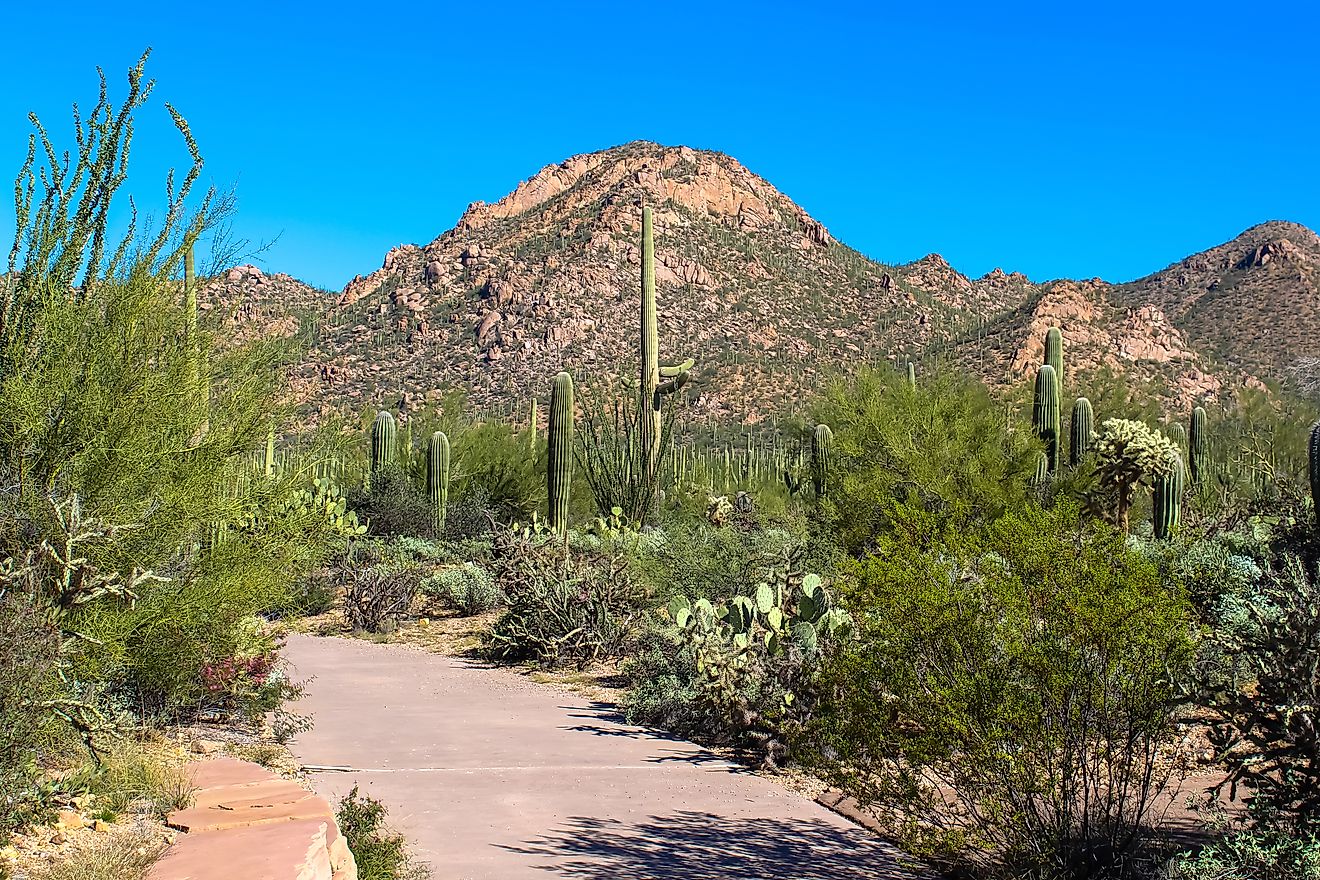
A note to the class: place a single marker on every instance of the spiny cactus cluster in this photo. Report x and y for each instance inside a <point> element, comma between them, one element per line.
<point>324,499</point>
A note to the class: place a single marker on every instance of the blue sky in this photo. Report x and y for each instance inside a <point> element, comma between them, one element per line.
<point>1056,139</point>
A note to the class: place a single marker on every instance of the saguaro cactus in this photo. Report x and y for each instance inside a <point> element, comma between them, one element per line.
<point>1198,447</point>
<point>1045,413</point>
<point>437,479</point>
<point>912,375</point>
<point>1054,354</point>
<point>559,457</point>
<point>1313,454</point>
<point>651,389</point>
<point>1080,430</point>
<point>383,441</point>
<point>821,441</point>
<point>270,454</point>
<point>1167,498</point>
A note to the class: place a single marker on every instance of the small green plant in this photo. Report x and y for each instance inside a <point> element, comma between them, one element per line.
<point>380,852</point>
<point>467,588</point>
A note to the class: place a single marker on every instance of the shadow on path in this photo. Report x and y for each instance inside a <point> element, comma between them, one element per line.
<point>701,846</point>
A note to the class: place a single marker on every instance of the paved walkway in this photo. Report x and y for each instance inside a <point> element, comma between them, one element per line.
<point>492,776</point>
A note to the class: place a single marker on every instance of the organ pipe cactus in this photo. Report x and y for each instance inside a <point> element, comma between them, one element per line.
<point>383,441</point>
<point>559,456</point>
<point>821,440</point>
<point>1167,498</point>
<point>1198,447</point>
<point>437,479</point>
<point>1054,354</point>
<point>651,389</point>
<point>1081,429</point>
<point>1045,413</point>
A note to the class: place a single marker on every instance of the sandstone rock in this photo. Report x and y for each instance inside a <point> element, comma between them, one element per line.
<point>207,746</point>
<point>67,820</point>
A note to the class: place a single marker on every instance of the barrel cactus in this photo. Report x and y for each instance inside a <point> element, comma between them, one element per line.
<point>1045,413</point>
<point>559,456</point>
<point>437,479</point>
<point>821,440</point>
<point>1198,447</point>
<point>383,441</point>
<point>1167,498</point>
<point>1081,431</point>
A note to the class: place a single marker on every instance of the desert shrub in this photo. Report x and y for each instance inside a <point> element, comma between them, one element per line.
<point>394,504</point>
<point>928,463</point>
<point>562,608</point>
<point>378,597</point>
<point>1249,848</point>
<point>130,774</point>
<point>1009,694</point>
<point>380,853</point>
<point>467,588</point>
<point>470,516</point>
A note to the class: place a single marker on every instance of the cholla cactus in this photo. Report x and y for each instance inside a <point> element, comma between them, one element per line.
<point>1128,453</point>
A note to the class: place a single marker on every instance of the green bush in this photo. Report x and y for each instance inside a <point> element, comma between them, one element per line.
<point>393,504</point>
<point>380,853</point>
<point>928,463</point>
<point>1009,694</point>
<point>467,588</point>
<point>1250,849</point>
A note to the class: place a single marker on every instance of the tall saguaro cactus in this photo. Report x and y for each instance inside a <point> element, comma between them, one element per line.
<point>912,376</point>
<point>1313,456</point>
<point>384,435</point>
<point>1045,413</point>
<point>1167,498</point>
<point>559,454</point>
<point>437,479</point>
<point>651,389</point>
<point>821,441</point>
<point>1198,447</point>
<point>1080,429</point>
<point>1054,354</point>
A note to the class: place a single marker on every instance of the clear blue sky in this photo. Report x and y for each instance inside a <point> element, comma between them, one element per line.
<point>1057,139</point>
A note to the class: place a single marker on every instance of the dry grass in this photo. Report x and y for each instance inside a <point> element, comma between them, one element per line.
<point>123,856</point>
<point>146,773</point>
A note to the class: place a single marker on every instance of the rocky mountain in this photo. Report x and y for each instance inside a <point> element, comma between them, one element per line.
<point>749,285</point>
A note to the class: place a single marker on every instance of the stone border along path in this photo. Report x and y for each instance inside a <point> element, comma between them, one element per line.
<point>246,823</point>
<point>491,776</point>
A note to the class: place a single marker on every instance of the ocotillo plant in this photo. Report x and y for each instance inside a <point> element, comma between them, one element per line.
<point>437,479</point>
<point>1054,354</point>
<point>1045,413</point>
<point>383,442</point>
<point>559,457</point>
<point>1080,429</point>
<point>1313,456</point>
<point>650,389</point>
<point>1198,447</point>
<point>821,440</point>
<point>1167,499</point>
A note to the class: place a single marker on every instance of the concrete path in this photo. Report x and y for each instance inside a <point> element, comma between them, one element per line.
<point>492,776</point>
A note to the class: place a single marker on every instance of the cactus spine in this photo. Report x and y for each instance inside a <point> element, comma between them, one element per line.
<point>1045,413</point>
<point>559,457</point>
<point>383,441</point>
<point>1198,447</point>
<point>1167,507</point>
<point>1081,427</point>
<point>437,479</point>
<point>821,441</point>
<point>1054,354</point>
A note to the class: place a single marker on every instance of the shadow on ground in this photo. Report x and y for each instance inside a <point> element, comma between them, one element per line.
<point>701,846</point>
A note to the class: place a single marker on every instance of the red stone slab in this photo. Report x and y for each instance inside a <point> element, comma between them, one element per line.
<point>226,771</point>
<point>286,851</point>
